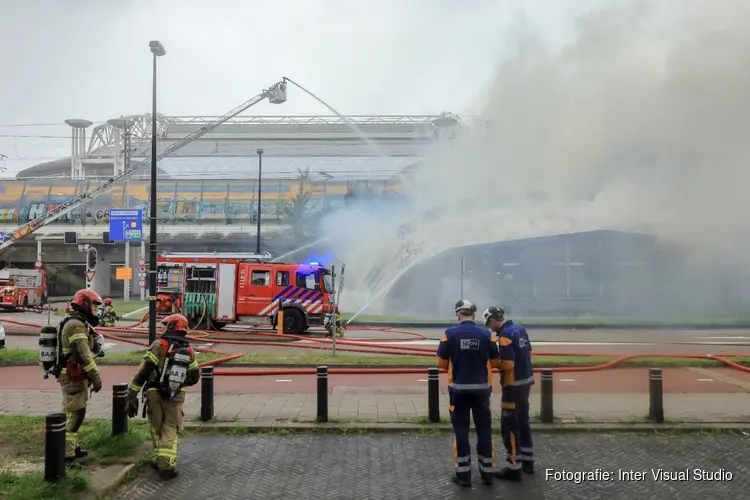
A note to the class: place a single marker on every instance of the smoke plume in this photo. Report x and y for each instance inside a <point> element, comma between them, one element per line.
<point>641,123</point>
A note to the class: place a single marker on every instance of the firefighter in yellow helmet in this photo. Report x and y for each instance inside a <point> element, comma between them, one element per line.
<point>76,369</point>
<point>167,368</point>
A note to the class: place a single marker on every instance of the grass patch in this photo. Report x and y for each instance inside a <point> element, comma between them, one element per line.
<point>21,465</point>
<point>33,486</point>
<point>8,356</point>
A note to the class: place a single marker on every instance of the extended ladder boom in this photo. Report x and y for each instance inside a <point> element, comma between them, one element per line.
<point>276,94</point>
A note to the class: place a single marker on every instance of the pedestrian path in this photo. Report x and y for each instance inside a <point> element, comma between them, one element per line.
<point>380,466</point>
<point>358,404</point>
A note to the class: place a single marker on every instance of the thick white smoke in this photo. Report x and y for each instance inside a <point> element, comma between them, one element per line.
<point>640,123</point>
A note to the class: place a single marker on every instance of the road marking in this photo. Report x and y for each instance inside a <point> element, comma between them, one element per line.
<point>720,338</point>
<point>131,313</point>
<point>422,380</point>
<point>566,380</point>
<point>434,343</point>
<point>284,380</point>
<point>107,345</point>
<point>705,380</point>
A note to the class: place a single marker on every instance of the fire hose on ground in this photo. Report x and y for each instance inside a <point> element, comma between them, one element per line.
<point>371,346</point>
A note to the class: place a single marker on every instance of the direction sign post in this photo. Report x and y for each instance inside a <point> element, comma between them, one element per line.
<point>125,224</point>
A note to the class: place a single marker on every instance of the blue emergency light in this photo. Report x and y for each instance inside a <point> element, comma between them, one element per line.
<point>314,263</point>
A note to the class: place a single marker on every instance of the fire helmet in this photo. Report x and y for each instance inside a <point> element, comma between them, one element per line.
<point>176,323</point>
<point>107,301</point>
<point>83,299</point>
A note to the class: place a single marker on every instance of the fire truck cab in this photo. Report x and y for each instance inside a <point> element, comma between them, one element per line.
<point>22,288</point>
<point>217,289</point>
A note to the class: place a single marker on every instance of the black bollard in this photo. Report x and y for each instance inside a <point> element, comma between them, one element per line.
<point>207,393</point>
<point>54,447</point>
<point>656,395</point>
<point>119,409</point>
<point>433,394</point>
<point>322,394</point>
<point>547,411</point>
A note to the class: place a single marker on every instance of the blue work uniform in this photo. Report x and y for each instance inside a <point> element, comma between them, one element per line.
<point>523,379</point>
<point>468,353</point>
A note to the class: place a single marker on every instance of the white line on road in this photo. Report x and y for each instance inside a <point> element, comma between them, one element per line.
<point>566,380</point>
<point>135,312</point>
<point>705,380</point>
<point>284,380</point>
<point>422,380</point>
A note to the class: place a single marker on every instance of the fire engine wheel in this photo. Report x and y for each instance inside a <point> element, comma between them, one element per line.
<point>294,321</point>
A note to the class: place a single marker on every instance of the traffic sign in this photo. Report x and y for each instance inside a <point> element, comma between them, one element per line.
<point>141,262</point>
<point>141,269</point>
<point>90,276</point>
<point>38,264</point>
<point>125,224</point>
<point>141,283</point>
<point>2,236</point>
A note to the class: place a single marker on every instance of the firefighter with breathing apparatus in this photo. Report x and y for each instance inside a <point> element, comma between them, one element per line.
<point>67,352</point>
<point>108,316</point>
<point>167,368</point>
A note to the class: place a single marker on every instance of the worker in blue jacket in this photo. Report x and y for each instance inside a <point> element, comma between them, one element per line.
<point>468,353</point>
<point>515,423</point>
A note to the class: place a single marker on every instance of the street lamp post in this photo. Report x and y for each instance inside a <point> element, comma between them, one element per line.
<point>157,49</point>
<point>260,173</point>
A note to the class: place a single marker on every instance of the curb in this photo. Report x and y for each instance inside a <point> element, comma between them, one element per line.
<point>392,428</point>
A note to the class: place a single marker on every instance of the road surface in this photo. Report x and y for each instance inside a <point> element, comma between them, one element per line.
<point>722,341</point>
<point>409,467</point>
<point>616,380</point>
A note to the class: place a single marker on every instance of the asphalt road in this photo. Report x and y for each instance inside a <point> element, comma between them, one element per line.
<point>620,380</point>
<point>330,467</point>
<point>679,341</point>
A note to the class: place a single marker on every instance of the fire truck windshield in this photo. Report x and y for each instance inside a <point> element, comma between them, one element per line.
<point>327,283</point>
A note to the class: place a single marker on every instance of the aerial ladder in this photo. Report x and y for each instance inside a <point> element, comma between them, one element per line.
<point>276,94</point>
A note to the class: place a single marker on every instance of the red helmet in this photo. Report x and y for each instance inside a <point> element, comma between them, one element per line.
<point>84,298</point>
<point>175,323</point>
<point>107,301</point>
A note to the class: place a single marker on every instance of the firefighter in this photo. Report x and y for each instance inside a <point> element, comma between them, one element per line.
<point>468,353</point>
<point>109,315</point>
<point>168,366</point>
<point>516,380</point>
<point>78,371</point>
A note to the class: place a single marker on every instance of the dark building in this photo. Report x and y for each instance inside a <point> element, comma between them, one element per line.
<point>597,273</point>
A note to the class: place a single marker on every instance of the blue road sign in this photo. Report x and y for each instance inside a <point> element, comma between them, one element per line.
<point>125,224</point>
<point>2,236</point>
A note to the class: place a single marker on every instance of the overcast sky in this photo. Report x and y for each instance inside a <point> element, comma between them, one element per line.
<point>90,59</point>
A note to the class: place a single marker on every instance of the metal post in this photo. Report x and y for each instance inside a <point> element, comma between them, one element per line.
<point>332,312</point>
<point>143,256</point>
<point>126,288</point>
<point>54,447</point>
<point>119,409</point>
<point>547,411</point>
<point>433,394</point>
<point>463,270</point>
<point>260,180</point>
<point>322,394</point>
<point>207,393</point>
<point>656,395</point>
<point>152,221</point>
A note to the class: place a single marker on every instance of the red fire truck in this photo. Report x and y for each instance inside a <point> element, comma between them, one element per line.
<point>213,290</point>
<point>23,288</point>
